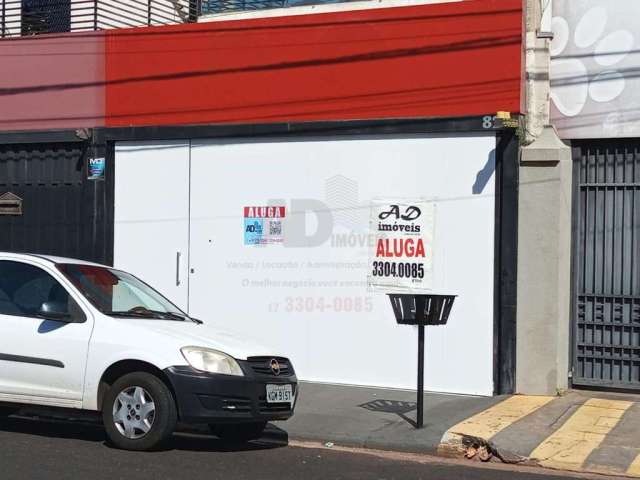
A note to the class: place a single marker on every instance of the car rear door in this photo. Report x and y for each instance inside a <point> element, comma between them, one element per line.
<point>42,361</point>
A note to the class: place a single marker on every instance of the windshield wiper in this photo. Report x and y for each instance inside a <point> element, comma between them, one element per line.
<point>150,314</point>
<point>184,317</point>
<point>146,313</point>
<point>142,312</point>
<point>178,316</point>
<point>173,315</point>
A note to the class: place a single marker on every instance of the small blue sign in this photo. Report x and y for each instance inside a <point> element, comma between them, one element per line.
<point>253,231</point>
<point>96,168</point>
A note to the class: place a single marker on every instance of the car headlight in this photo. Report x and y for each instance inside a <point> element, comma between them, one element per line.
<point>212,361</point>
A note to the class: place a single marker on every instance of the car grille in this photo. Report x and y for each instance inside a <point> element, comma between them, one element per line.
<point>262,366</point>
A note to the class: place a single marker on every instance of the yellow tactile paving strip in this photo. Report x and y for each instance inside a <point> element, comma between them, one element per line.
<point>569,446</point>
<point>634,469</point>
<point>491,421</point>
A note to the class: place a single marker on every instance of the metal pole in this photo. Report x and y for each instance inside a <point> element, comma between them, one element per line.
<point>95,15</point>
<point>2,20</point>
<point>419,418</point>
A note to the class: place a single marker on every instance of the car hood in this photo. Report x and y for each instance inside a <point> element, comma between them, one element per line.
<point>206,335</point>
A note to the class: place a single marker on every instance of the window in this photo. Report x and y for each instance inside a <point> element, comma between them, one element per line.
<point>220,6</point>
<point>118,293</point>
<point>25,288</point>
<point>45,16</point>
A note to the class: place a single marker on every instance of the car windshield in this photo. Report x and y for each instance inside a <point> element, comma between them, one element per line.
<point>118,293</point>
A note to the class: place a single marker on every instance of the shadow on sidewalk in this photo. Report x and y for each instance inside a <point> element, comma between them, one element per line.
<point>400,408</point>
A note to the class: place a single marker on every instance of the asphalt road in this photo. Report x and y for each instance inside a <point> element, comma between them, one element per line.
<point>49,450</point>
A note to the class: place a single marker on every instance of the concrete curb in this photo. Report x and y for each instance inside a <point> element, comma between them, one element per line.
<point>369,444</point>
<point>458,445</point>
<point>453,445</point>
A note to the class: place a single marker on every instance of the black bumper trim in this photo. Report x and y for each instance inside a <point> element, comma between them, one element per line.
<point>213,398</point>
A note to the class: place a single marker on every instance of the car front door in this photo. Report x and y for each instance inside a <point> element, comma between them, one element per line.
<point>42,359</point>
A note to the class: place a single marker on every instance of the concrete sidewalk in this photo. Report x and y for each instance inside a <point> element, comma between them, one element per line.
<point>378,418</point>
<point>580,431</point>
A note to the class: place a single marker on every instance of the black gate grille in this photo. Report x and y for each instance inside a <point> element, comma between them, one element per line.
<point>606,265</point>
<point>63,213</point>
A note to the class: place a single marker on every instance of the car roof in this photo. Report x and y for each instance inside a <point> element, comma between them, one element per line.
<point>48,258</point>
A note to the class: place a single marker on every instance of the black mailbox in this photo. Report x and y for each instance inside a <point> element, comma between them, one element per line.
<point>421,310</point>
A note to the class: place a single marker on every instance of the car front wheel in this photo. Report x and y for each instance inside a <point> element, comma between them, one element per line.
<point>139,412</point>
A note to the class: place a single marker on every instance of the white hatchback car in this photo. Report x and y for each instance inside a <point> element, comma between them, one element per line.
<point>77,335</point>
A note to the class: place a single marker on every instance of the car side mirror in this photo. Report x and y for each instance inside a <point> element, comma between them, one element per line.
<point>55,311</point>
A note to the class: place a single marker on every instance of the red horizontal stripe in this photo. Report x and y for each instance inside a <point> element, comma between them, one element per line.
<point>452,59</point>
<point>437,60</point>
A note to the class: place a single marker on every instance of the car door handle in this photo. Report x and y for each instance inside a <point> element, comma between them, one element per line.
<point>178,269</point>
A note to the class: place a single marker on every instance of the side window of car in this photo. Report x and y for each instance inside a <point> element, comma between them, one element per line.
<point>25,288</point>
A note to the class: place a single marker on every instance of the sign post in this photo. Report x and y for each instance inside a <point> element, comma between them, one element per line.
<point>421,310</point>
<point>401,262</point>
<point>420,399</point>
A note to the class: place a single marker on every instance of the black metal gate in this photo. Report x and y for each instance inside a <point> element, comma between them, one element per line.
<point>606,266</point>
<point>62,213</point>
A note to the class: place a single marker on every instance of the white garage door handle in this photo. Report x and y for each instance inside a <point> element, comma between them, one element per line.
<point>177,269</point>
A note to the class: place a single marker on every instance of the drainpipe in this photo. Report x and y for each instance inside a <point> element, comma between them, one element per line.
<point>537,38</point>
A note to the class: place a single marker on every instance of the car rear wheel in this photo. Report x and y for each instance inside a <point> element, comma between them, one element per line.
<point>139,412</point>
<point>240,432</point>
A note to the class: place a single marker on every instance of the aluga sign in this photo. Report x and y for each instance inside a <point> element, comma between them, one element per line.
<point>402,258</point>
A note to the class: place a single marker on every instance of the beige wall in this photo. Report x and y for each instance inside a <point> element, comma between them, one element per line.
<point>544,228</point>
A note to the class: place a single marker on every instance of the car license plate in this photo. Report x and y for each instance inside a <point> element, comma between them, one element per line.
<point>279,394</point>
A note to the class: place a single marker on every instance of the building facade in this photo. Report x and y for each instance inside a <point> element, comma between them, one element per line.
<point>578,310</point>
<point>167,150</point>
<point>156,159</point>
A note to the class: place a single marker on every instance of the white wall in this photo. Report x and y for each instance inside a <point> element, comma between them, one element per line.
<point>595,59</point>
<point>151,215</point>
<point>307,298</point>
<point>250,289</point>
